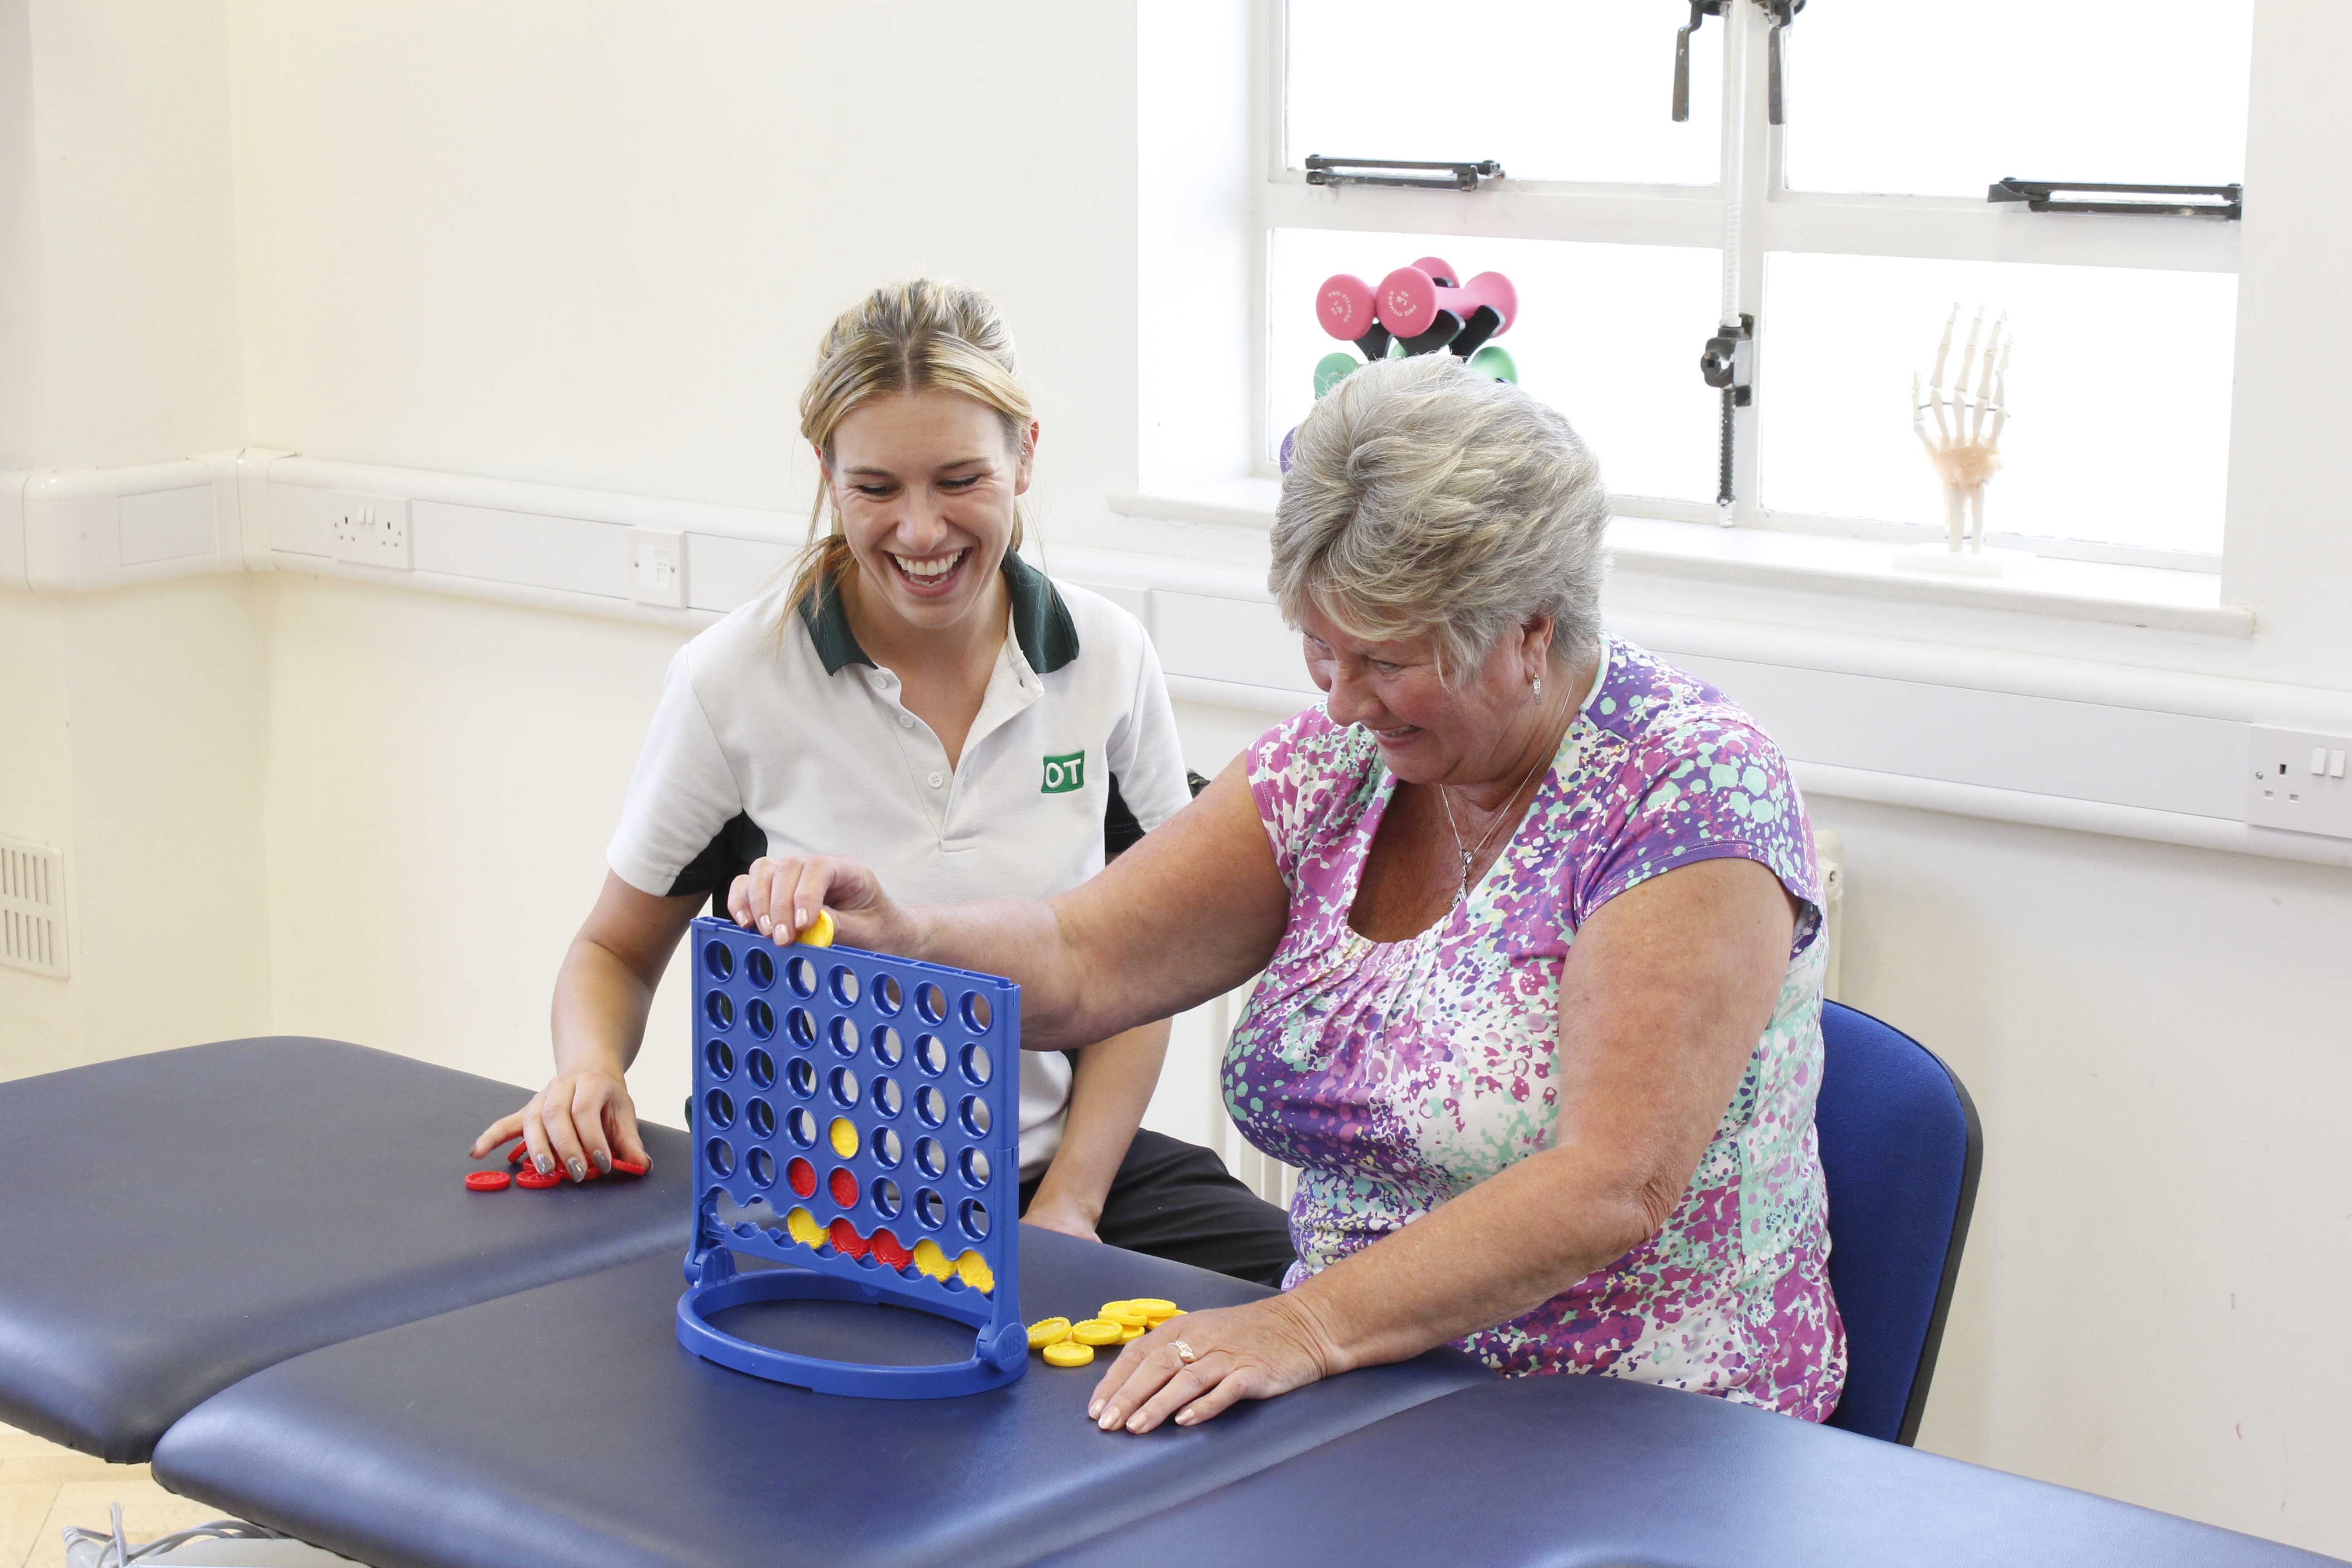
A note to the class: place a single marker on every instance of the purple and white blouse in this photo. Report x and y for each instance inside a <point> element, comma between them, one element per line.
<point>1397,1075</point>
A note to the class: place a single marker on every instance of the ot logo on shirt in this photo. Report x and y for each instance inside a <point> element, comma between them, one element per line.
<point>1064,774</point>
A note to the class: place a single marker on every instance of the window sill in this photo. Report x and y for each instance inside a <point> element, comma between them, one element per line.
<point>2144,596</point>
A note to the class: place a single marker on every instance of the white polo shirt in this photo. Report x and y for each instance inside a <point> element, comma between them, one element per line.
<point>800,745</point>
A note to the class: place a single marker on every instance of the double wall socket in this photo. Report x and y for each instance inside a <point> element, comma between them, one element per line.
<point>2300,780</point>
<point>371,531</point>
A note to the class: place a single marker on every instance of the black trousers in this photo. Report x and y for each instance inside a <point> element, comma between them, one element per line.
<point>1176,1200</point>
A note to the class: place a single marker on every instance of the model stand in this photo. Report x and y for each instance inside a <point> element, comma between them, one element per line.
<point>1963,446</point>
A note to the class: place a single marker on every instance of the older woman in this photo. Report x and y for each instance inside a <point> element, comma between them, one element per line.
<point>1536,914</point>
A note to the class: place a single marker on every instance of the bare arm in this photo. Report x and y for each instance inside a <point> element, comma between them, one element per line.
<point>603,991</point>
<point>1186,915</point>
<point>1663,995</point>
<point>1108,1094</point>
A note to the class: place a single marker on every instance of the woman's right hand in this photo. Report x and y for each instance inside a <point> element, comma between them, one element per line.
<point>582,1120</point>
<point>781,896</point>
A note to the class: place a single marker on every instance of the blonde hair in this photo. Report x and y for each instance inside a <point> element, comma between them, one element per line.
<point>1424,497</point>
<point>919,336</point>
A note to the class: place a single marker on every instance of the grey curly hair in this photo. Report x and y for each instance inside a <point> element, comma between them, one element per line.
<point>1424,498</point>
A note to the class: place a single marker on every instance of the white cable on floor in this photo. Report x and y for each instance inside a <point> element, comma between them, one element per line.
<point>86,1548</point>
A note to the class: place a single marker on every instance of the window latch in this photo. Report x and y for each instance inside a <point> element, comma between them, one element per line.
<point>1700,11</point>
<point>1322,171</point>
<point>2042,197</point>
<point>1783,13</point>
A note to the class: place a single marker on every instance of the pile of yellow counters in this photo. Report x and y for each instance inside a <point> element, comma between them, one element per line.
<point>1065,1343</point>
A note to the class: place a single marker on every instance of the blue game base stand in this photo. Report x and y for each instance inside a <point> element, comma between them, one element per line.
<point>857,1117</point>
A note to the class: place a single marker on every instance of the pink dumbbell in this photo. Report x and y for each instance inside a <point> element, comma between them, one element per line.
<point>1344,306</point>
<point>1426,314</point>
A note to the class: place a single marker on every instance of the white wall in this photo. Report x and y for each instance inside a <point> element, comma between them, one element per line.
<point>115,236</point>
<point>133,721</point>
<point>2161,1231</point>
<point>443,776</point>
<point>594,245</point>
<point>20,238</point>
<point>2289,552</point>
<point>36,804</point>
<point>136,739</point>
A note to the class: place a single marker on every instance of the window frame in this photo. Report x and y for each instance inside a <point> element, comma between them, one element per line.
<point>1772,219</point>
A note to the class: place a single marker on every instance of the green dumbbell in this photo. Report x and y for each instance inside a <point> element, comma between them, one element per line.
<point>1331,369</point>
<point>1494,362</point>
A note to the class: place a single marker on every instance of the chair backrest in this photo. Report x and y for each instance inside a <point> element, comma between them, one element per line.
<point>1900,1152</point>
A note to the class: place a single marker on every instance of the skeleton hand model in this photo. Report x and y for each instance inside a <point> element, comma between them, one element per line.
<point>1965,444</point>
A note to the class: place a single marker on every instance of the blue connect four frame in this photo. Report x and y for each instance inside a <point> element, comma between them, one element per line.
<point>857,1115</point>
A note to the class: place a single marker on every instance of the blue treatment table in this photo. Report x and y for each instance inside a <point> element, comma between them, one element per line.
<point>177,1222</point>
<point>264,1247</point>
<point>1565,1471</point>
<point>567,1426</point>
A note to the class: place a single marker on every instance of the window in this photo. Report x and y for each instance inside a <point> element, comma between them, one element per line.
<point>1846,234</point>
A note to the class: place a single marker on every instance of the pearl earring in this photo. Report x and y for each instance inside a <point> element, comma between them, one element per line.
<point>1539,692</point>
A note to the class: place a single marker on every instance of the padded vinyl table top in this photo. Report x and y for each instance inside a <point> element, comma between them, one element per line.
<point>566,1426</point>
<point>178,1221</point>
<point>1569,1471</point>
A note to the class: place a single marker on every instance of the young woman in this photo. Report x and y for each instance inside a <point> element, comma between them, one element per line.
<point>919,695</point>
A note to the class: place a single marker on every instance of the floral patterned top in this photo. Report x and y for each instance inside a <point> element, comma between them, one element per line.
<point>1397,1075</point>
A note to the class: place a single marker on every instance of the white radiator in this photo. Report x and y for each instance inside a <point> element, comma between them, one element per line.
<point>1275,1182</point>
<point>1829,851</point>
<point>1264,1174</point>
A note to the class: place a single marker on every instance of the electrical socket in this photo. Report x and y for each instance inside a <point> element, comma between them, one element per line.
<point>371,531</point>
<point>657,567</point>
<point>2297,780</point>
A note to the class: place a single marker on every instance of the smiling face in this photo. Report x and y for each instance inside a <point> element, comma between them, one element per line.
<point>1430,732</point>
<point>925,483</point>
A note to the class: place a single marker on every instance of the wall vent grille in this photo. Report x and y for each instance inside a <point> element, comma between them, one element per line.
<point>32,908</point>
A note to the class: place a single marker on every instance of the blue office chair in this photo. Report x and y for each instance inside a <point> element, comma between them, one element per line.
<point>1900,1152</point>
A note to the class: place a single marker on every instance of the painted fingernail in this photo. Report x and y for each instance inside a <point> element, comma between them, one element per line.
<point>1110,1418</point>
<point>1183,1418</point>
<point>546,1166</point>
<point>763,925</point>
<point>605,1162</point>
<point>579,1169</point>
<point>1094,1410</point>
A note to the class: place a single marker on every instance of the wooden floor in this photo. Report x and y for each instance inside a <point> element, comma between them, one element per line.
<point>44,1487</point>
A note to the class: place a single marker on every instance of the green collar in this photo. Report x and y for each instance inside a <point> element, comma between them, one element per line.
<point>1040,621</point>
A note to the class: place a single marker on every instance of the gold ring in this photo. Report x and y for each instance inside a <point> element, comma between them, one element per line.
<point>1184,1353</point>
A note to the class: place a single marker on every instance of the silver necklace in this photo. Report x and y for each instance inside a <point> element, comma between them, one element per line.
<point>1470,856</point>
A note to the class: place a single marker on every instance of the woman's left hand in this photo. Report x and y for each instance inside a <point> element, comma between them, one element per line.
<point>1051,1213</point>
<point>1255,1351</point>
